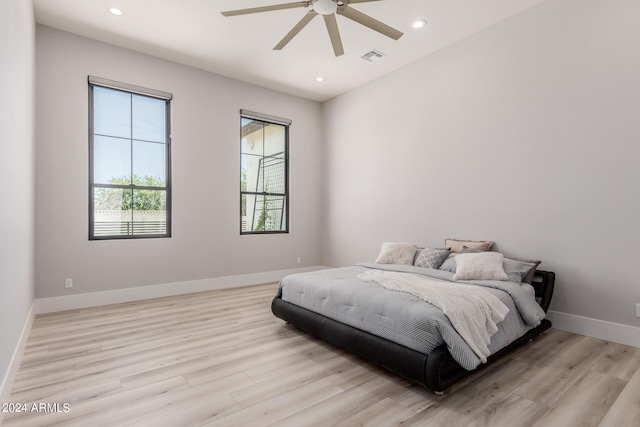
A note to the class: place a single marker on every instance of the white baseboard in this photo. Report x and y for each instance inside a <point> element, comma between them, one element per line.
<point>16,360</point>
<point>93,299</point>
<point>601,329</point>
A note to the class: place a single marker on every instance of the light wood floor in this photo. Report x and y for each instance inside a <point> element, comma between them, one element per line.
<point>222,359</point>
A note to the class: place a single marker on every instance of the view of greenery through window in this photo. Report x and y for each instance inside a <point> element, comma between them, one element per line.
<point>130,196</point>
<point>145,200</point>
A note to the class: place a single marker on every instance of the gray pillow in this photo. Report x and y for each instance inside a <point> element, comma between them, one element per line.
<point>517,270</point>
<point>431,257</point>
<point>527,277</point>
<point>449,264</point>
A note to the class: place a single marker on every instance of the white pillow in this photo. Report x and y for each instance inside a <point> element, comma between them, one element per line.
<point>397,253</point>
<point>480,266</point>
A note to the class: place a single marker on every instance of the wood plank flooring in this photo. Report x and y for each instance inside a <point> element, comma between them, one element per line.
<point>221,358</point>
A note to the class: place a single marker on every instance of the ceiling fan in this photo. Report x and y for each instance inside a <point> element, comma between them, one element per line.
<point>328,9</point>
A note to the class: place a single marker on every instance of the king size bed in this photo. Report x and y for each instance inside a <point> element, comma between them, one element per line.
<point>433,326</point>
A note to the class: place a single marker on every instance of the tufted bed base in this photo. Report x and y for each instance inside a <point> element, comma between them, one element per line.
<point>437,370</point>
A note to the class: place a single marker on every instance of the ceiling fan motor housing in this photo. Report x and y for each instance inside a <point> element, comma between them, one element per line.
<point>325,7</point>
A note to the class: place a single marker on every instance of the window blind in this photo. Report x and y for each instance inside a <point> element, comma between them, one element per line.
<point>112,84</point>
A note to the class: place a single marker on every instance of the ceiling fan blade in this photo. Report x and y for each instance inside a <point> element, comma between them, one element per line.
<point>334,34</point>
<point>266,8</point>
<point>361,1</point>
<point>368,21</point>
<point>295,30</point>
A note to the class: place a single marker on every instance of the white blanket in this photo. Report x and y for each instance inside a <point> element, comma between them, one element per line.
<point>473,311</point>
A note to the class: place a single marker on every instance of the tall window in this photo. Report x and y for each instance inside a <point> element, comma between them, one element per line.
<point>264,178</point>
<point>129,161</point>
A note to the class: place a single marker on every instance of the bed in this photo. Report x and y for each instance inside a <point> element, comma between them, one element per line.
<point>353,309</point>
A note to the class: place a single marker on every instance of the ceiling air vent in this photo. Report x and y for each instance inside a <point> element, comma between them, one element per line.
<point>374,55</point>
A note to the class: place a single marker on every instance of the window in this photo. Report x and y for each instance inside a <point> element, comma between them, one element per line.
<point>264,178</point>
<point>129,161</point>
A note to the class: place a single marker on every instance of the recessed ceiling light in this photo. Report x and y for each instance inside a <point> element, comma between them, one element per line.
<point>319,79</point>
<point>115,11</point>
<point>419,23</point>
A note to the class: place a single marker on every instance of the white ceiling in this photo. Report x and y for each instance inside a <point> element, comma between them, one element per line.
<point>193,32</point>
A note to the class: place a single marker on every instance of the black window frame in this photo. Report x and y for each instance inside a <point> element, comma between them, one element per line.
<point>138,91</point>
<point>286,123</point>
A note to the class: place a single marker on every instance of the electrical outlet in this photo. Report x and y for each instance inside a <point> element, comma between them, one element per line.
<point>637,310</point>
<point>68,283</point>
<point>299,260</point>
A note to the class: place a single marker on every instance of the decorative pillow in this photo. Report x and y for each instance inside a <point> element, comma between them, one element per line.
<point>480,266</point>
<point>518,270</point>
<point>525,268</point>
<point>457,245</point>
<point>468,250</point>
<point>418,250</point>
<point>528,278</point>
<point>397,253</point>
<point>449,264</point>
<point>431,258</point>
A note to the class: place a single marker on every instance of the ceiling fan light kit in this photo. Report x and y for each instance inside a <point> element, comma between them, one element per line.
<point>328,9</point>
<point>325,7</point>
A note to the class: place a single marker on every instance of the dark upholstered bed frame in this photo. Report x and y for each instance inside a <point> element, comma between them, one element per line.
<point>437,370</point>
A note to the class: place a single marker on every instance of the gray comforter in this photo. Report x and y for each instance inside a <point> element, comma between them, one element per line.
<point>403,318</point>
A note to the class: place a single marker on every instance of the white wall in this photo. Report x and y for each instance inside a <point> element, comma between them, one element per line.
<point>17,174</point>
<point>526,134</point>
<point>206,240</point>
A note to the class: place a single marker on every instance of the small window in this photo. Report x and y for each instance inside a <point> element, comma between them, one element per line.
<point>264,178</point>
<point>129,161</point>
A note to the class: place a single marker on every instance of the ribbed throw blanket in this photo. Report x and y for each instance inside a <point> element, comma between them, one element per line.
<point>473,311</point>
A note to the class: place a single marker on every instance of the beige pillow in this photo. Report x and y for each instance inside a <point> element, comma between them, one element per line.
<point>397,253</point>
<point>480,266</point>
<point>457,245</point>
